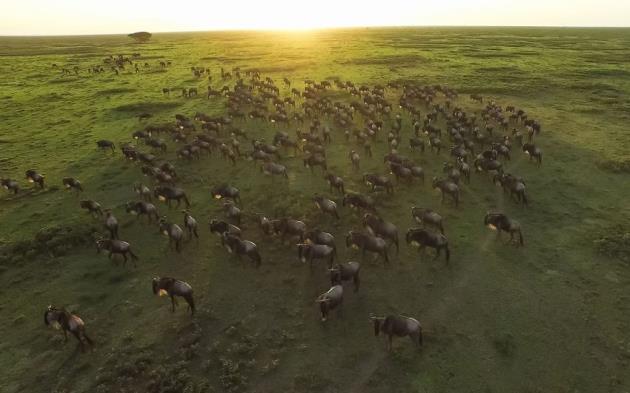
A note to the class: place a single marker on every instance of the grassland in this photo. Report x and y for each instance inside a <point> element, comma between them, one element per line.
<point>553,316</point>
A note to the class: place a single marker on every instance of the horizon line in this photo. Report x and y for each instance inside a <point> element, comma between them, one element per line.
<point>310,29</point>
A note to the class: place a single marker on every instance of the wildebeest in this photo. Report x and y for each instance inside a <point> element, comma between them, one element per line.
<point>93,207</point>
<point>398,325</point>
<point>142,208</point>
<point>427,217</point>
<point>168,286</point>
<point>68,322</point>
<point>500,222</point>
<point>355,159</point>
<point>291,227</point>
<point>174,232</point>
<point>314,160</point>
<point>447,187</point>
<point>330,300</point>
<point>514,185</point>
<point>226,191</point>
<point>335,182</point>
<point>143,191</point>
<point>221,227</point>
<point>190,224</point>
<point>232,211</point>
<point>424,238</point>
<point>10,185</point>
<point>358,201</point>
<point>34,177</point>
<point>374,181</point>
<point>115,246</point>
<point>381,228</point>
<point>345,272</point>
<point>104,144</point>
<point>239,247</point>
<point>168,193</point>
<point>308,252</point>
<point>271,168</point>
<point>365,242</point>
<point>415,143</point>
<point>533,152</point>
<point>326,205</point>
<point>111,224</point>
<point>71,182</point>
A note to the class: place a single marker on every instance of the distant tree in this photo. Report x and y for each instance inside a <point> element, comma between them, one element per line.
<point>141,36</point>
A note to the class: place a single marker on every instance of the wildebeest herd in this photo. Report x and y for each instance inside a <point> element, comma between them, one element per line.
<point>478,141</point>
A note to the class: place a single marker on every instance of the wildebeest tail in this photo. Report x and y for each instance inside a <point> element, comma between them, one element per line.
<point>191,303</point>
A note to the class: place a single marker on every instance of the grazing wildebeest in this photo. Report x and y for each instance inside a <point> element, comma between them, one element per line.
<point>487,165</point>
<point>374,181</point>
<point>500,222</point>
<point>320,237</point>
<point>330,300</point>
<point>143,191</point>
<point>447,187</point>
<point>104,144</point>
<point>326,205</point>
<point>358,201</point>
<point>168,193</point>
<point>235,245</point>
<point>221,227</point>
<point>10,185</point>
<point>168,286</point>
<point>190,224</point>
<point>515,185</point>
<point>94,208</point>
<point>68,322</point>
<point>111,224</point>
<point>345,272</point>
<point>115,246</point>
<point>71,182</point>
<point>314,160</point>
<point>398,325</point>
<point>378,227</point>
<point>291,227</point>
<point>427,217</point>
<point>232,211</point>
<point>335,182</point>
<point>415,143</point>
<point>33,177</point>
<point>402,172</point>
<point>271,168</point>
<point>308,252</point>
<point>533,152</point>
<point>226,191</point>
<point>424,238</point>
<point>174,232</point>
<point>143,208</point>
<point>365,242</point>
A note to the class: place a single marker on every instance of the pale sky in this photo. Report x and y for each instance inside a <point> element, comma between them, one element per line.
<point>54,17</point>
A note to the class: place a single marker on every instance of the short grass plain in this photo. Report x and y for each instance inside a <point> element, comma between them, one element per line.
<point>553,316</point>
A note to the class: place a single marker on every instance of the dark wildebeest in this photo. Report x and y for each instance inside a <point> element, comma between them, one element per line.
<point>308,252</point>
<point>232,211</point>
<point>345,272</point>
<point>111,224</point>
<point>143,191</point>
<point>427,217</point>
<point>398,325</point>
<point>533,152</point>
<point>174,232</point>
<point>71,182</point>
<point>378,227</point>
<point>447,187</point>
<point>452,173</point>
<point>239,247</point>
<point>330,300</point>
<point>358,201</point>
<point>314,160</point>
<point>104,144</point>
<point>68,322</point>
<point>325,205</point>
<point>335,182</point>
<point>93,207</point>
<point>190,224</point>
<point>291,227</point>
<point>515,185</point>
<point>271,168</point>
<point>355,159</point>
<point>221,227</point>
<point>415,143</point>
<point>167,286</point>
<point>226,191</point>
<point>143,208</point>
<point>500,222</point>
<point>168,193</point>
<point>365,242</point>
<point>115,246</point>
<point>374,181</point>
<point>424,238</point>
<point>33,177</point>
<point>10,185</point>
<point>320,237</point>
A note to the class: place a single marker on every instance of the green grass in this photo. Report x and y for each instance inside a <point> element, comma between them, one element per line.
<point>553,316</point>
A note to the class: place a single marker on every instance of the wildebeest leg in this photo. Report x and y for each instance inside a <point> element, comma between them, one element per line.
<point>437,253</point>
<point>172,303</point>
<point>124,254</point>
<point>389,342</point>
